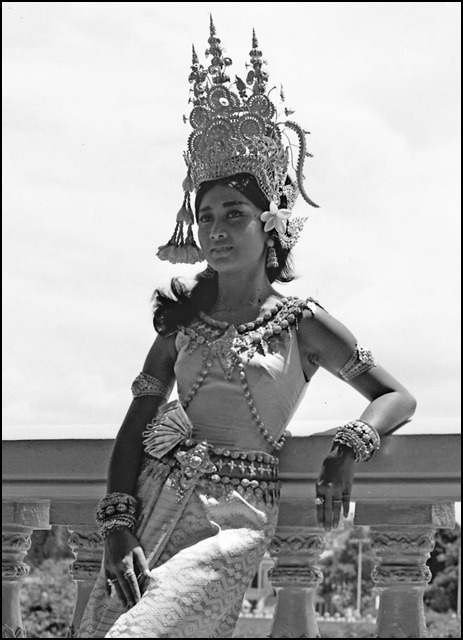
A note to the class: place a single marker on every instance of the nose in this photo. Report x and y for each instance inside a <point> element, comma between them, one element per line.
<point>217,231</point>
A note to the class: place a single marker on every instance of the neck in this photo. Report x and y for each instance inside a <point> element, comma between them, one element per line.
<point>242,290</point>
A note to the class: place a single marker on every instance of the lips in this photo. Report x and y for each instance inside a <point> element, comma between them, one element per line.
<point>221,250</point>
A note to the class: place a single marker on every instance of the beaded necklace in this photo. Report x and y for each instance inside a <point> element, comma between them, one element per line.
<point>222,340</point>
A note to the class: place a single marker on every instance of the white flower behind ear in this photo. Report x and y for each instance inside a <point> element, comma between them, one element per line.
<point>275,218</point>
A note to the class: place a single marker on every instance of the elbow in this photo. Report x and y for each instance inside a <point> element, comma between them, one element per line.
<point>410,403</point>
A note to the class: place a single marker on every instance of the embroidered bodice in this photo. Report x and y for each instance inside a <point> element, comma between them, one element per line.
<point>240,385</point>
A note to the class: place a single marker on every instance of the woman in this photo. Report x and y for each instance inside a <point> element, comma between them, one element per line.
<point>192,500</point>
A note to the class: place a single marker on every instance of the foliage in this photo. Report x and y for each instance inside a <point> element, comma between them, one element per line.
<point>47,600</point>
<point>340,565</point>
<point>441,595</point>
<point>52,543</point>
<point>442,625</point>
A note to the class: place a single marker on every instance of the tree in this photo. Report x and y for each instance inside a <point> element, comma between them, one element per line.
<point>339,564</point>
<point>47,600</point>
<point>51,543</point>
<point>442,593</point>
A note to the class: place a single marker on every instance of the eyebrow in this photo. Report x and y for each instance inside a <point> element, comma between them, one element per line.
<point>225,204</point>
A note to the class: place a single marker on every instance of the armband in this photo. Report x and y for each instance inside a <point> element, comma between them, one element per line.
<point>360,361</point>
<point>146,385</point>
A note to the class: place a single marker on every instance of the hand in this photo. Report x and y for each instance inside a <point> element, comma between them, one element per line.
<point>121,550</point>
<point>334,486</point>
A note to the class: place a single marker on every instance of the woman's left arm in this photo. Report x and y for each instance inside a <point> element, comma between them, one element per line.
<point>326,342</point>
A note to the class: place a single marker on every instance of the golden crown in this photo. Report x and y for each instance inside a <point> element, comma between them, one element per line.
<point>236,129</point>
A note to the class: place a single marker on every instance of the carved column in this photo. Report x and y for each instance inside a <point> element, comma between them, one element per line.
<point>16,540</point>
<point>296,577</point>
<point>87,546</point>
<point>20,520</point>
<point>402,543</point>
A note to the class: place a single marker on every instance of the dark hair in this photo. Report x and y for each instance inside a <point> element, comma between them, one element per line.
<point>181,304</point>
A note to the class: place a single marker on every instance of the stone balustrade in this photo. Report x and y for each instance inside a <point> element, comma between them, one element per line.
<point>407,491</point>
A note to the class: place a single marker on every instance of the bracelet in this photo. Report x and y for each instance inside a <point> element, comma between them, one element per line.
<point>115,524</point>
<point>116,511</point>
<point>361,437</point>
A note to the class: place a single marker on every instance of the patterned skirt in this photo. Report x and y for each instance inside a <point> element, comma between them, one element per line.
<point>199,579</point>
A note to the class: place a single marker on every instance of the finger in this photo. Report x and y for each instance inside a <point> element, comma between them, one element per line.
<point>336,512</point>
<point>328,514</point>
<point>345,505</point>
<point>319,501</point>
<point>120,593</point>
<point>132,584</point>
<point>141,560</point>
<point>124,586</point>
<point>143,575</point>
<point>127,591</point>
<point>108,587</point>
<point>108,584</point>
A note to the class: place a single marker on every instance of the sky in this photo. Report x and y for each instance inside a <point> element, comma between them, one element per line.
<point>93,137</point>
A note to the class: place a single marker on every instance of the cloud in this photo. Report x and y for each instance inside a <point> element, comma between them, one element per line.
<point>93,143</point>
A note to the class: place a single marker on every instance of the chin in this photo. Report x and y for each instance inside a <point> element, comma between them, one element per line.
<point>221,263</point>
<point>223,267</point>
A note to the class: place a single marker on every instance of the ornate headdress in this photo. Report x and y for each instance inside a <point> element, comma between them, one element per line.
<point>236,130</point>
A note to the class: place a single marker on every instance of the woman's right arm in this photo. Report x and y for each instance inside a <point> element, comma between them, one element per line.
<point>126,456</point>
<point>121,546</point>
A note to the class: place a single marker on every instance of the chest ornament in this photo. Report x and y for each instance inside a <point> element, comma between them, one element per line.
<point>233,345</point>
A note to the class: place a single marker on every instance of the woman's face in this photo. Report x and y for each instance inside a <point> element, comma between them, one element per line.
<point>231,232</point>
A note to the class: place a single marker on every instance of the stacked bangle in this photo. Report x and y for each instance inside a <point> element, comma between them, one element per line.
<point>116,511</point>
<point>361,437</point>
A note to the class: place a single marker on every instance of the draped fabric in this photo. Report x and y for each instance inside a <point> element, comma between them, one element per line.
<point>198,583</point>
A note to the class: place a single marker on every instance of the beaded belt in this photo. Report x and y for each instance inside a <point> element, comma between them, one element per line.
<point>243,472</point>
<point>235,464</point>
<point>247,472</point>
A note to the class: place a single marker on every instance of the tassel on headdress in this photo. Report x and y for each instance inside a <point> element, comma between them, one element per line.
<point>181,248</point>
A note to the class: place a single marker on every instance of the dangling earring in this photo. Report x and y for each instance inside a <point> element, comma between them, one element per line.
<point>272,260</point>
<point>209,272</point>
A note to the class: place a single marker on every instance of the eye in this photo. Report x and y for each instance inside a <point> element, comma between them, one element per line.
<point>235,213</point>
<point>206,217</point>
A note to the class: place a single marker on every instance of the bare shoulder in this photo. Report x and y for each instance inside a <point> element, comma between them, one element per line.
<point>161,358</point>
<point>323,340</point>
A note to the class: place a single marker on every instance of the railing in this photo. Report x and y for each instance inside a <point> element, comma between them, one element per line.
<point>407,491</point>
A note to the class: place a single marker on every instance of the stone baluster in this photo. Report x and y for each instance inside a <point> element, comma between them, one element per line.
<point>402,538</point>
<point>87,546</point>
<point>296,576</point>
<point>19,520</point>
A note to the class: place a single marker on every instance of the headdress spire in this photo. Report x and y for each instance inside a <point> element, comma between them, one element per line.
<point>212,28</point>
<point>257,78</point>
